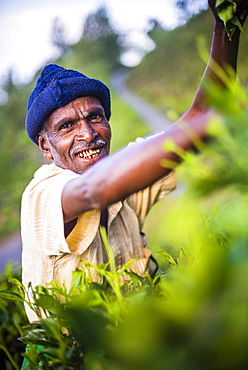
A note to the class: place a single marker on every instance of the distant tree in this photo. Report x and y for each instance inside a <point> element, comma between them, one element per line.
<point>59,39</point>
<point>97,25</point>
<point>7,84</point>
<point>190,7</point>
<point>154,25</point>
<point>99,32</point>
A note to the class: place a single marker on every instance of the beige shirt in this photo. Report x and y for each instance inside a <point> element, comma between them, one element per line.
<point>48,256</point>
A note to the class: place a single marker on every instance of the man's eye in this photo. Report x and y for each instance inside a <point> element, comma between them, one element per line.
<point>96,118</point>
<point>66,125</point>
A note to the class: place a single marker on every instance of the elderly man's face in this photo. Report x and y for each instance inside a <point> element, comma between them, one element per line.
<point>77,135</point>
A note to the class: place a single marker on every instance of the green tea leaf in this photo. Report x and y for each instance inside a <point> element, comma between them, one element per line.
<point>169,258</point>
<point>237,23</point>
<point>11,295</point>
<point>226,14</point>
<point>19,285</point>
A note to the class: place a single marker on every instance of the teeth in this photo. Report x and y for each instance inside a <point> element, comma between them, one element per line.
<point>91,153</point>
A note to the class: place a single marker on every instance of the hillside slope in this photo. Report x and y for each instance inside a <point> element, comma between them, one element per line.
<point>169,75</point>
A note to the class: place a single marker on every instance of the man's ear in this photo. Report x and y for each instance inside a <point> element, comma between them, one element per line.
<point>44,147</point>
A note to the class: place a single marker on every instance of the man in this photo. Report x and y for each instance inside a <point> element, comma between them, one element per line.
<point>65,204</point>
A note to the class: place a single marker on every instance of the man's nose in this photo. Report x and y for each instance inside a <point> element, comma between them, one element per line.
<point>86,132</point>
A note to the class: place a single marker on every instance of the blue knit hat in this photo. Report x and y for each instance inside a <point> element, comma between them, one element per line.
<point>57,87</point>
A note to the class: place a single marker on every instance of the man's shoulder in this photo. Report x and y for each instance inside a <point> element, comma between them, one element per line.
<point>50,172</point>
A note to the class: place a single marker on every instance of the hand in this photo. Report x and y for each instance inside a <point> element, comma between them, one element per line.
<point>211,4</point>
<point>242,6</point>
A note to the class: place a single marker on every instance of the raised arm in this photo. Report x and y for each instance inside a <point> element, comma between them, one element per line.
<point>223,51</point>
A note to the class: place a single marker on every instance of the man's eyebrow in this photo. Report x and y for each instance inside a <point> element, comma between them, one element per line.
<point>92,110</point>
<point>63,119</point>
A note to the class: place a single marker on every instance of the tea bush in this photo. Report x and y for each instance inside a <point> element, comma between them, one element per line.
<point>12,319</point>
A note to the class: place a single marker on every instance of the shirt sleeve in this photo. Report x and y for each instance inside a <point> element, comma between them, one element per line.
<point>42,217</point>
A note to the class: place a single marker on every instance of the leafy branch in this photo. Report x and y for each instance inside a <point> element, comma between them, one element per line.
<point>228,13</point>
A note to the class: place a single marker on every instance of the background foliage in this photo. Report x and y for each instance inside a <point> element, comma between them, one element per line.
<point>169,75</point>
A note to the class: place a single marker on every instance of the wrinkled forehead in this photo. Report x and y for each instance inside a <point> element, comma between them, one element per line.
<point>80,105</point>
<point>85,102</point>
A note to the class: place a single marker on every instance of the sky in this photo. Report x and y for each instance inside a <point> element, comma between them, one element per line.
<point>26,27</point>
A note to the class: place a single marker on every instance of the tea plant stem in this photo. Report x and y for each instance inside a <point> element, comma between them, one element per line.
<point>115,281</point>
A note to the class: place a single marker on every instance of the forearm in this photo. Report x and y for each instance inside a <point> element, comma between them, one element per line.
<point>141,165</point>
<point>223,53</point>
<point>117,176</point>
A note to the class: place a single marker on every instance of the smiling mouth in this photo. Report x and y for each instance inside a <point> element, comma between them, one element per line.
<point>89,154</point>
